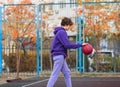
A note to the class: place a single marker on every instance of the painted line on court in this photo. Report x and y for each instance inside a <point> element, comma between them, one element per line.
<point>34,83</point>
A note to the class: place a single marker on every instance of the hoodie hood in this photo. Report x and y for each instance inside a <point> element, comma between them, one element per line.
<point>58,29</point>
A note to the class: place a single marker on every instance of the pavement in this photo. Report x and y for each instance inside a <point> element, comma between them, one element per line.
<point>85,81</point>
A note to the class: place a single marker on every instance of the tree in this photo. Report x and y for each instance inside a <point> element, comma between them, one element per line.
<point>21,27</point>
<point>98,18</point>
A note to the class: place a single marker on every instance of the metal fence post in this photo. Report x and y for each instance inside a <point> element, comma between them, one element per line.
<point>80,40</point>
<point>38,42</point>
<point>0,40</point>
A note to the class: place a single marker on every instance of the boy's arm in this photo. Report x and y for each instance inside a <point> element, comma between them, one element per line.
<point>64,40</point>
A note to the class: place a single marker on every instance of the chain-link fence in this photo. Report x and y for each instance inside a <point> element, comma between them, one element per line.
<point>52,15</point>
<point>19,39</point>
<point>102,28</point>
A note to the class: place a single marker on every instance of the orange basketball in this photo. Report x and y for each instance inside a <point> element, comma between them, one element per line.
<point>87,49</point>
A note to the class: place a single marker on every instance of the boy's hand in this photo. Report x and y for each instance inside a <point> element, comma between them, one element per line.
<point>84,44</point>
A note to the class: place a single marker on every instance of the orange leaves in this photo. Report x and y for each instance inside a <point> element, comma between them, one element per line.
<point>21,34</point>
<point>14,33</point>
<point>80,2</point>
<point>80,10</point>
<point>96,33</point>
<point>91,7</point>
<point>101,20</point>
<point>89,22</point>
<point>106,26</point>
<point>33,39</point>
<point>25,2</point>
<point>45,16</point>
<point>20,20</point>
<point>86,30</point>
<point>19,13</point>
<point>31,27</point>
<point>10,9</point>
<point>96,13</point>
<point>97,26</point>
<point>113,15</point>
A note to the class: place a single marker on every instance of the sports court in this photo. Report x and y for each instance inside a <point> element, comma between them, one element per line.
<point>77,82</point>
<point>25,41</point>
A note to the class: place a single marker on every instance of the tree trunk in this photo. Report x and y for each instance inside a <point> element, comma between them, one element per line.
<point>18,61</point>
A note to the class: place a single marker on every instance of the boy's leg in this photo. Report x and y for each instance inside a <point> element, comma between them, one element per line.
<point>67,74</point>
<point>58,63</point>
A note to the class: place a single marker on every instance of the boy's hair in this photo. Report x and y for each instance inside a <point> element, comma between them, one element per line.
<point>66,21</point>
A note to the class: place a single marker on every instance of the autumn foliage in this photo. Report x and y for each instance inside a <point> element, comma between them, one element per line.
<point>98,18</point>
<point>20,24</point>
<point>17,16</point>
<point>19,28</point>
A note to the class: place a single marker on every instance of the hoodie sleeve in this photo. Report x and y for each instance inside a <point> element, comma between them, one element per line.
<point>64,40</point>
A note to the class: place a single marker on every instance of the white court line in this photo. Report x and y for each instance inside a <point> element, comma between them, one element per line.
<point>34,83</point>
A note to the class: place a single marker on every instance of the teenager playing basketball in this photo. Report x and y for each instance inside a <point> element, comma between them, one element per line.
<point>59,47</point>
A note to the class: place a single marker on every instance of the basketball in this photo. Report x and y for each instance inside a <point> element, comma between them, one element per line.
<point>87,49</point>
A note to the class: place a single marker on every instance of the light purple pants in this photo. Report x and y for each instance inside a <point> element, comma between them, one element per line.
<point>60,65</point>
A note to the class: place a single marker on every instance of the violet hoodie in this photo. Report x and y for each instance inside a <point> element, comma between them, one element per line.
<point>61,43</point>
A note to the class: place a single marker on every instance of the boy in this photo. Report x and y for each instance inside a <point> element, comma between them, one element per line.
<point>59,47</point>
